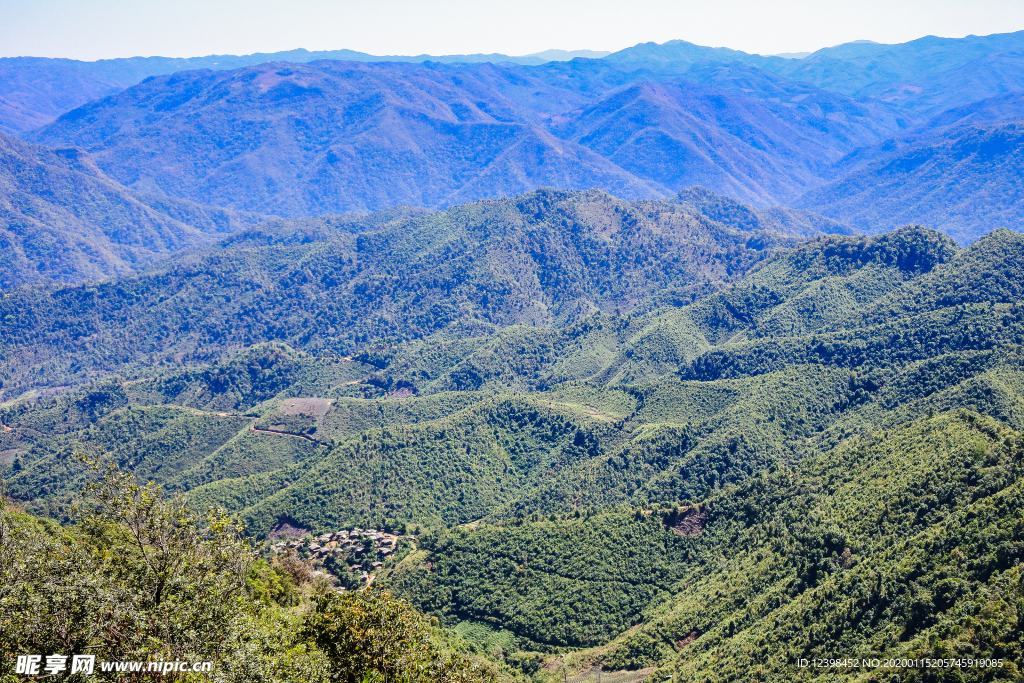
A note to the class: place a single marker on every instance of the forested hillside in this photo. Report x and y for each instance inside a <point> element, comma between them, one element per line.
<point>741,216</point>
<point>964,182</point>
<point>645,436</point>
<point>63,220</point>
<point>140,575</point>
<point>340,285</point>
<point>904,543</point>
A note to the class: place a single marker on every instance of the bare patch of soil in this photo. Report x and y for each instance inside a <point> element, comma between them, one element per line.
<point>286,528</point>
<point>687,640</point>
<point>314,407</point>
<point>689,521</point>
<point>10,454</point>
<point>403,389</point>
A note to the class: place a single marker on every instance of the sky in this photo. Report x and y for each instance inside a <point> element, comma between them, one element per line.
<point>101,29</point>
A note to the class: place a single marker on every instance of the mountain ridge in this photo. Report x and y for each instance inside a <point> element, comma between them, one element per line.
<point>962,181</point>
<point>29,98</point>
<point>297,140</point>
<point>547,258</point>
<point>338,136</point>
<point>64,220</point>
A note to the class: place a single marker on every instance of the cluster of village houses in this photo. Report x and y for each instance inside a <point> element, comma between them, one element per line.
<point>351,546</point>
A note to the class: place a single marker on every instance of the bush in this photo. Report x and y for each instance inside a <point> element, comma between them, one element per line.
<point>371,635</point>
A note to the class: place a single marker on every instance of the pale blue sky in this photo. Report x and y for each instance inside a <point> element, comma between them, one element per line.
<point>95,29</point>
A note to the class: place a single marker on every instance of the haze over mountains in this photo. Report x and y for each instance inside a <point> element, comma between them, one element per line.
<point>64,220</point>
<point>966,180</point>
<point>829,132</point>
<point>36,90</point>
<point>337,136</point>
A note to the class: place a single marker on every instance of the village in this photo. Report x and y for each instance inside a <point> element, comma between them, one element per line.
<point>359,551</point>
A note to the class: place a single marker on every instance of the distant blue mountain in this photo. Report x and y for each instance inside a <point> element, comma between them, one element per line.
<point>757,148</point>
<point>913,75</point>
<point>966,182</point>
<point>920,74</point>
<point>680,52</point>
<point>63,220</point>
<point>1009,107</point>
<point>989,76</point>
<point>35,90</point>
<point>317,132</point>
<point>329,136</point>
<point>306,139</point>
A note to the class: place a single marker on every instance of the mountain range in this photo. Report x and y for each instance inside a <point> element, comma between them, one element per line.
<point>680,363</point>
<point>966,179</point>
<point>337,136</point>
<point>35,90</point>
<point>308,134</point>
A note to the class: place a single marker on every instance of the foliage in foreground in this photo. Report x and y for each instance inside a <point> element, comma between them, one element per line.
<point>142,578</point>
<point>370,635</point>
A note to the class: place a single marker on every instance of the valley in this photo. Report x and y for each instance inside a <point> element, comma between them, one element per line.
<point>670,363</point>
<point>655,440</point>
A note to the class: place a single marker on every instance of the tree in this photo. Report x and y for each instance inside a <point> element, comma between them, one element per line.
<point>139,577</point>
<point>372,636</point>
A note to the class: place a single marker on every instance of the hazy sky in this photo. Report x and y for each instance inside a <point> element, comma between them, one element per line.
<point>95,29</point>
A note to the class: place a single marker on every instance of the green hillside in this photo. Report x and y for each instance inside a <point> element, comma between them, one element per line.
<point>607,411</point>
<point>676,447</point>
<point>536,580</point>
<point>902,543</point>
<point>336,286</point>
<point>570,440</point>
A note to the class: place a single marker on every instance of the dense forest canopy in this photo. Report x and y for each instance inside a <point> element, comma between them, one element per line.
<point>792,439</point>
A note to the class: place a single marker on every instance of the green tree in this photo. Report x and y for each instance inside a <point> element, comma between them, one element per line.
<point>371,636</point>
<point>139,577</point>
